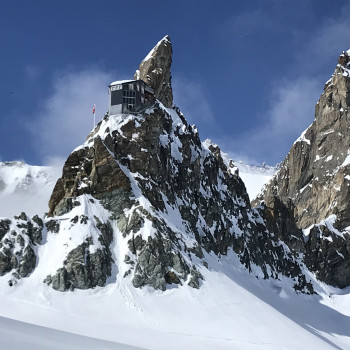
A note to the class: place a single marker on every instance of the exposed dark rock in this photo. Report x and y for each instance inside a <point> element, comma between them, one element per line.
<point>36,233</point>
<point>195,279</point>
<point>91,170</point>
<point>155,71</point>
<point>4,227</point>
<point>172,278</point>
<point>173,171</point>
<point>17,246</point>
<point>155,259</point>
<point>53,225</point>
<point>22,216</point>
<point>27,261</point>
<point>82,269</point>
<point>171,199</point>
<point>311,190</point>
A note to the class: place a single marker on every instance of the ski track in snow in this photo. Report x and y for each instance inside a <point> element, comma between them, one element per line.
<point>232,310</point>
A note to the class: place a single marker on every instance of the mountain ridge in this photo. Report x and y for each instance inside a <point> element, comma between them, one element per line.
<point>151,231</point>
<point>309,196</point>
<point>148,179</point>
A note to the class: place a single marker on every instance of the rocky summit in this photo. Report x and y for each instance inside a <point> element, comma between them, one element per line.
<point>155,71</point>
<point>171,201</point>
<point>144,199</point>
<point>307,202</point>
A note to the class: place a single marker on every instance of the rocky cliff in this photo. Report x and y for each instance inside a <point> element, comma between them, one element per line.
<point>144,199</point>
<point>308,199</point>
<point>155,71</point>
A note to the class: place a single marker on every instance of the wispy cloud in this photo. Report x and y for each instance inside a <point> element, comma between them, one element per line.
<point>291,111</point>
<point>189,95</point>
<point>33,72</point>
<point>329,41</point>
<point>65,118</point>
<point>292,98</point>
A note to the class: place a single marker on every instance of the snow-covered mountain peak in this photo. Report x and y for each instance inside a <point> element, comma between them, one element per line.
<point>25,187</point>
<point>19,177</point>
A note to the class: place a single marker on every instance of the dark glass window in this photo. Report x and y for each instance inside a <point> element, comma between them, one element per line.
<point>128,93</point>
<point>115,98</point>
<point>129,100</point>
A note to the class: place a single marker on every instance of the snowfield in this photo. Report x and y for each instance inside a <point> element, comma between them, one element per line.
<point>232,310</point>
<point>16,335</point>
<point>255,177</point>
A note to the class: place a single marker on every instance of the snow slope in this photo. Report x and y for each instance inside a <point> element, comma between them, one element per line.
<point>16,335</point>
<point>255,177</point>
<point>232,310</point>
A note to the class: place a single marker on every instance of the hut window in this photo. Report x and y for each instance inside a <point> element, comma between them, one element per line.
<point>129,100</point>
<point>128,93</point>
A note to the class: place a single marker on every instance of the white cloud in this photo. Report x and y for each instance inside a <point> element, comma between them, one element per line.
<point>292,105</point>
<point>65,118</point>
<point>292,111</point>
<point>329,41</point>
<point>292,100</point>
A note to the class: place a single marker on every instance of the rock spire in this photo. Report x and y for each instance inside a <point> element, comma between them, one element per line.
<point>155,71</point>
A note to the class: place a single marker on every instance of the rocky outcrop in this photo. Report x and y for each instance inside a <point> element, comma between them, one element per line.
<point>18,238</point>
<point>83,269</point>
<point>144,199</point>
<point>311,190</point>
<point>90,170</point>
<point>172,198</point>
<point>155,71</point>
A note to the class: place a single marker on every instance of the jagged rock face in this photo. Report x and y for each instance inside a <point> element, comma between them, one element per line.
<point>86,266</point>
<point>170,197</point>
<point>88,235</point>
<point>95,164</point>
<point>155,71</point>
<point>18,238</point>
<point>313,185</point>
<point>145,199</point>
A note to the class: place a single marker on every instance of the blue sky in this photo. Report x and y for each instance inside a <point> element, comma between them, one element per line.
<point>248,74</point>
